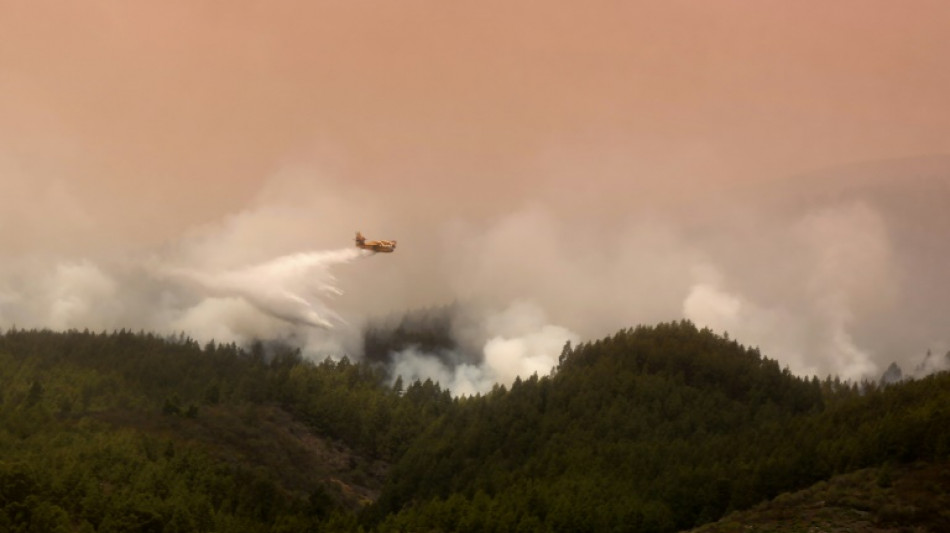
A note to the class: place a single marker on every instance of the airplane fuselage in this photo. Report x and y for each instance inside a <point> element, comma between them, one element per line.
<point>375,246</point>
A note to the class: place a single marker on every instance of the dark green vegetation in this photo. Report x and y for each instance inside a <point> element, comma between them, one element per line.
<point>886,499</point>
<point>132,432</point>
<point>653,429</point>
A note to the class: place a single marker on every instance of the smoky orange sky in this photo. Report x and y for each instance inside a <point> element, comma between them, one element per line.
<point>141,109</point>
<point>132,126</point>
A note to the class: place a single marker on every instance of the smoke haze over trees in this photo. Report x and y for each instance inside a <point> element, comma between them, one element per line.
<point>843,277</point>
<point>575,169</point>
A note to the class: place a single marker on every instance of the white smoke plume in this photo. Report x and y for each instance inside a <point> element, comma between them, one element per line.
<point>841,285</point>
<point>838,268</point>
<point>936,359</point>
<point>517,342</point>
<point>662,179</point>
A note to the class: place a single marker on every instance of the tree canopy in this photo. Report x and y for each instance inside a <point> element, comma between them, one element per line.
<point>654,428</point>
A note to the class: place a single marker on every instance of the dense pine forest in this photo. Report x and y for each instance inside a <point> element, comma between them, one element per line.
<point>655,428</point>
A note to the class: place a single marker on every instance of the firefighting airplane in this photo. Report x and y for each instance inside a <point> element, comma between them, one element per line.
<point>375,246</point>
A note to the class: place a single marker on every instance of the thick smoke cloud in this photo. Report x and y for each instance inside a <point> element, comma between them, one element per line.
<point>834,265</point>
<point>842,284</point>
<point>517,341</point>
<point>586,168</point>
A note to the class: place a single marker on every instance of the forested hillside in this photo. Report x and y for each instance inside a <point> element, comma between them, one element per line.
<point>892,497</point>
<point>655,428</point>
<point>133,432</point>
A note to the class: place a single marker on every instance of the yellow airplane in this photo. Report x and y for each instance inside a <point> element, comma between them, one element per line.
<point>376,246</point>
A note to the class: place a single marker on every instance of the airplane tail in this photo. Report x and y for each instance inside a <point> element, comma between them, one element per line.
<point>360,239</point>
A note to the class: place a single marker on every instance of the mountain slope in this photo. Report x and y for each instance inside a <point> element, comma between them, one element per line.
<point>656,428</point>
<point>653,429</point>
<point>133,432</point>
<point>914,497</point>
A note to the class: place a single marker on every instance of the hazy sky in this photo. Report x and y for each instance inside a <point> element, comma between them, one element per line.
<point>229,133</point>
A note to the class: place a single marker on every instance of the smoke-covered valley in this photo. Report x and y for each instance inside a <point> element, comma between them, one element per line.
<point>837,273</point>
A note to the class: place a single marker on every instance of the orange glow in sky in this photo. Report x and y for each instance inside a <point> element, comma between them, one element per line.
<point>554,150</point>
<point>198,103</point>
